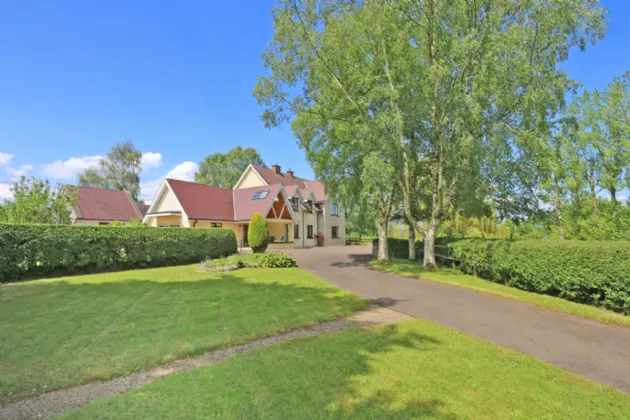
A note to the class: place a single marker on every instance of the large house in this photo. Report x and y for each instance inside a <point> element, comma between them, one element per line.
<point>100,206</point>
<point>297,210</point>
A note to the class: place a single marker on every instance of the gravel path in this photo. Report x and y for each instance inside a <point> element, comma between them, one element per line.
<point>61,401</point>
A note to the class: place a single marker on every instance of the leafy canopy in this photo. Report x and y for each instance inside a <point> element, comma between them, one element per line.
<point>36,201</point>
<point>453,95</point>
<point>119,170</point>
<point>224,169</point>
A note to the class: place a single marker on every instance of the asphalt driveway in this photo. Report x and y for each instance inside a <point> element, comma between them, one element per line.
<point>596,351</point>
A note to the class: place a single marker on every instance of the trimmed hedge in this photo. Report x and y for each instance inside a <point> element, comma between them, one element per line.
<point>399,247</point>
<point>592,272</point>
<point>31,251</point>
<point>258,233</point>
<point>235,262</point>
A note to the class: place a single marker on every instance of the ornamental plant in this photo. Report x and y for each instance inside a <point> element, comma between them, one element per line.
<point>258,233</point>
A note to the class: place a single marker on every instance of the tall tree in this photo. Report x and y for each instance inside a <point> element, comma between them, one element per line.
<point>119,170</point>
<point>454,90</point>
<point>36,201</point>
<point>224,169</point>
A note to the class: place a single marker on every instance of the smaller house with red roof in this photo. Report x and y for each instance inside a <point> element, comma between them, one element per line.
<point>297,210</point>
<point>100,206</point>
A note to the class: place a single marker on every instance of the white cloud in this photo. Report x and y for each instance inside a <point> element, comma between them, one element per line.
<point>185,171</point>
<point>5,158</point>
<point>71,167</point>
<point>19,172</point>
<point>151,160</point>
<point>5,192</point>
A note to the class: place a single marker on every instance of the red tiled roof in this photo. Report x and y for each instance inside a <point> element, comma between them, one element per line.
<point>144,208</point>
<point>245,207</point>
<point>285,179</point>
<point>203,201</point>
<point>103,204</point>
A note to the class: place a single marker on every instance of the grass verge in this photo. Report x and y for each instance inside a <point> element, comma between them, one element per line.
<point>413,369</point>
<point>63,332</point>
<point>453,277</point>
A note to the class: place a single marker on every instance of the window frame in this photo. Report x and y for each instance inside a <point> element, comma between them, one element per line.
<point>334,232</point>
<point>296,231</point>
<point>309,232</point>
<point>216,225</point>
<point>334,209</point>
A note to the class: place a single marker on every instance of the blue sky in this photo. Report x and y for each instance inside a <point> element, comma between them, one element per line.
<point>76,77</point>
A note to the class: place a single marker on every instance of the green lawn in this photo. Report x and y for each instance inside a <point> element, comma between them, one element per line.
<point>413,369</point>
<point>66,331</point>
<point>414,269</point>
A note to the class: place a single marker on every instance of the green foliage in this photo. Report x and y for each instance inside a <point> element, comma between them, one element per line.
<point>278,260</point>
<point>399,248</point>
<point>258,233</point>
<point>119,170</point>
<point>595,272</point>
<point>224,169</point>
<point>28,251</point>
<point>453,97</point>
<point>36,201</point>
<point>234,262</point>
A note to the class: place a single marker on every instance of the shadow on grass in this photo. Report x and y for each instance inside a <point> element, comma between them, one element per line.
<point>61,334</point>
<point>338,375</point>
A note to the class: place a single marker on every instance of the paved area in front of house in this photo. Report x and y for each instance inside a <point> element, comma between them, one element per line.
<point>597,351</point>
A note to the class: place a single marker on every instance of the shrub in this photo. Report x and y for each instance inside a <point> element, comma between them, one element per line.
<point>278,260</point>
<point>399,247</point>
<point>234,262</point>
<point>30,251</point>
<point>258,233</point>
<point>592,272</point>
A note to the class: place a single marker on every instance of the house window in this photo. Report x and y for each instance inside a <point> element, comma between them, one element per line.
<point>334,210</point>
<point>310,205</point>
<point>294,203</point>
<point>216,225</point>
<point>335,232</point>
<point>309,231</point>
<point>260,195</point>
<point>103,223</point>
<point>296,231</point>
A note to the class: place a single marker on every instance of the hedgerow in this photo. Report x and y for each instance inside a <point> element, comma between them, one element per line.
<point>31,251</point>
<point>592,272</point>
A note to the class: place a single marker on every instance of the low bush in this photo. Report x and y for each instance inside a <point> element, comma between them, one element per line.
<point>234,262</point>
<point>592,272</point>
<point>31,251</point>
<point>277,260</point>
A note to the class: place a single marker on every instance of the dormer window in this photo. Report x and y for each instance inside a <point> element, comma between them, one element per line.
<point>295,203</point>
<point>260,195</point>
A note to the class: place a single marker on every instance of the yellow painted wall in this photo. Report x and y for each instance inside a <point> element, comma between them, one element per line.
<point>277,229</point>
<point>251,179</point>
<point>167,202</point>
<point>166,220</point>
<point>237,228</point>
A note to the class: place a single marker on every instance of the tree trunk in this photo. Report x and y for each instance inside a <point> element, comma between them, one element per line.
<point>383,249</point>
<point>429,248</point>
<point>591,182</point>
<point>412,242</point>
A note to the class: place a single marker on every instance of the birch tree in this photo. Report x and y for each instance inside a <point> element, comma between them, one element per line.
<point>454,90</point>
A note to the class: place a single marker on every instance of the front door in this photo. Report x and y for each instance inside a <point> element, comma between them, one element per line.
<point>245,228</point>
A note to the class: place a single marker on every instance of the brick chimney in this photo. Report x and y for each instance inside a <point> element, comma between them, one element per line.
<point>290,173</point>
<point>276,168</point>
